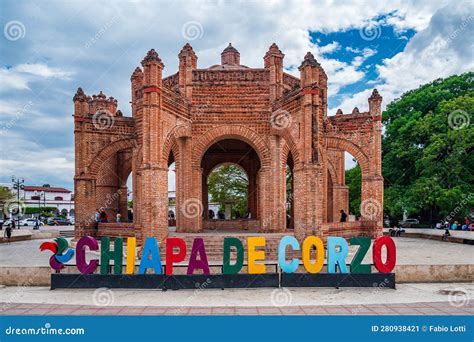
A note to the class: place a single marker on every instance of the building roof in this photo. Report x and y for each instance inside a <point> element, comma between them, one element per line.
<point>45,189</point>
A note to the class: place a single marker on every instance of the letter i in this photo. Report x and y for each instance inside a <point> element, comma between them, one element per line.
<point>131,244</point>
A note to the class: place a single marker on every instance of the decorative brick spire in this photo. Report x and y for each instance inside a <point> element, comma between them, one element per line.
<point>137,73</point>
<point>375,95</point>
<point>230,55</point>
<point>375,103</point>
<point>274,50</point>
<point>80,96</point>
<point>309,60</point>
<point>186,50</point>
<point>151,57</point>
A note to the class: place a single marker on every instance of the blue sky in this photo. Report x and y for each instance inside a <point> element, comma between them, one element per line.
<point>49,48</point>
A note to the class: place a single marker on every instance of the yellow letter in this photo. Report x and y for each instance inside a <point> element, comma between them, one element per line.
<point>309,242</point>
<point>253,255</point>
<point>131,243</point>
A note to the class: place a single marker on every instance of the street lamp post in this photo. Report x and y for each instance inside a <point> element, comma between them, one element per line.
<point>40,195</point>
<point>18,184</point>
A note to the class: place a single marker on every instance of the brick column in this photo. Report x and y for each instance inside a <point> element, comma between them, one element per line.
<point>84,198</point>
<point>309,206</point>
<point>154,175</point>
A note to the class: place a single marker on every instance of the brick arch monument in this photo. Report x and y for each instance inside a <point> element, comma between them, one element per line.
<point>262,119</point>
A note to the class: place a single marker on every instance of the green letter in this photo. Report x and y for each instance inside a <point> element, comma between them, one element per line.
<point>106,255</point>
<point>356,263</point>
<point>227,268</point>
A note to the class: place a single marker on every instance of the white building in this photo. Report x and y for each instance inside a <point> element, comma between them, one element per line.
<point>50,197</point>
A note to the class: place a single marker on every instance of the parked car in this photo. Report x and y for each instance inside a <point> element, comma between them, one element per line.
<point>409,222</point>
<point>30,222</point>
<point>58,221</point>
<point>7,223</point>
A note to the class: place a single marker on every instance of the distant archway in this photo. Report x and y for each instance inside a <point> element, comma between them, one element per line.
<point>242,155</point>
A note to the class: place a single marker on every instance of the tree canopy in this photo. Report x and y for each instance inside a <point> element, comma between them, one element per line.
<point>229,182</point>
<point>427,151</point>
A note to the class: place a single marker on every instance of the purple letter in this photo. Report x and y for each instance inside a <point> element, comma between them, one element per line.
<point>82,265</point>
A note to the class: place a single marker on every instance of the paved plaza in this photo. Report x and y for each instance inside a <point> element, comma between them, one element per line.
<point>424,298</point>
<point>438,308</point>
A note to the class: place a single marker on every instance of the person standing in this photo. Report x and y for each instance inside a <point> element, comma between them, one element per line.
<point>118,217</point>
<point>103,216</point>
<point>343,216</point>
<point>8,231</point>
<point>97,219</point>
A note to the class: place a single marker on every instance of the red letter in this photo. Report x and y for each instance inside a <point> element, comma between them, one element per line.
<point>389,265</point>
<point>170,256</point>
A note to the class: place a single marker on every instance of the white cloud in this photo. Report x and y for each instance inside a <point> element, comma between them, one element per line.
<point>19,76</point>
<point>28,158</point>
<point>442,49</point>
<point>42,70</point>
<point>329,48</point>
<point>12,80</point>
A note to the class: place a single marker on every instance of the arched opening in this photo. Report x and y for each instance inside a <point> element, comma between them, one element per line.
<point>128,215</point>
<point>230,169</point>
<point>343,186</point>
<point>114,193</point>
<point>289,182</point>
<point>353,180</point>
<point>172,204</point>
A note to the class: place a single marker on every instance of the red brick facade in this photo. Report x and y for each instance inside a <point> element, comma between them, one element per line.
<point>262,119</point>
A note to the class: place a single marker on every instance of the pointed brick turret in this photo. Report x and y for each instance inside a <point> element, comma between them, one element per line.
<point>309,60</point>
<point>151,57</point>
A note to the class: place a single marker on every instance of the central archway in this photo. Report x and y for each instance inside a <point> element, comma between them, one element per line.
<point>232,151</point>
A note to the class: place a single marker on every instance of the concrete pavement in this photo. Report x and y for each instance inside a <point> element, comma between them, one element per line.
<point>409,299</point>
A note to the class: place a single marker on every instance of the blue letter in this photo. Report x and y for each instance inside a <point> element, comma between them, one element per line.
<point>151,247</point>
<point>335,257</point>
<point>288,267</point>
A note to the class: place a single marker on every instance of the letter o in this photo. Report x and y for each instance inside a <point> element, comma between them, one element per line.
<point>309,242</point>
<point>389,264</point>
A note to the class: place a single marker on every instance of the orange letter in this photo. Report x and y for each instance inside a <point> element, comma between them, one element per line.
<point>253,255</point>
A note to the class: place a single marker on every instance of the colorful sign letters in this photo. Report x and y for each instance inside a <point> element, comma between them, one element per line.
<point>311,250</point>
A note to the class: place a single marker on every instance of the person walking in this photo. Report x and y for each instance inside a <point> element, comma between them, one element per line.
<point>343,216</point>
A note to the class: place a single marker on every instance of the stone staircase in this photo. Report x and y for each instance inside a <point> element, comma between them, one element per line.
<point>214,242</point>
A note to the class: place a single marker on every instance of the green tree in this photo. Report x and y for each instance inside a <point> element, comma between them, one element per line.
<point>229,182</point>
<point>427,150</point>
<point>353,181</point>
<point>5,195</point>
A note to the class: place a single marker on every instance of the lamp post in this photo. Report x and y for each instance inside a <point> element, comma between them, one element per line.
<point>39,194</point>
<point>18,184</point>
